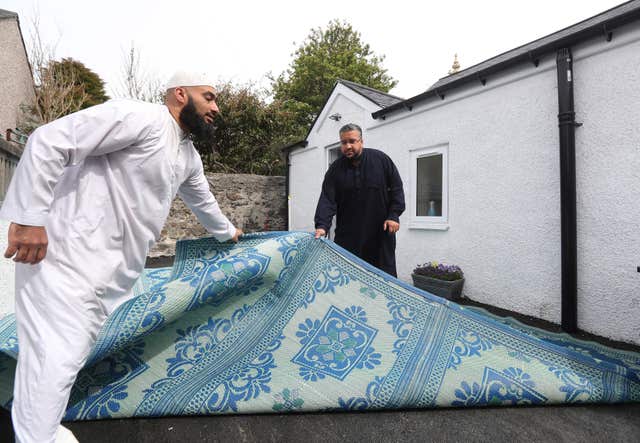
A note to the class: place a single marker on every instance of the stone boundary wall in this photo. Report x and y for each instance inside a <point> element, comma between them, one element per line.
<point>9,158</point>
<point>253,203</point>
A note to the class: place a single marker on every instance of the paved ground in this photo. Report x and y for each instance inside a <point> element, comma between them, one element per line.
<point>616,423</point>
<point>581,423</point>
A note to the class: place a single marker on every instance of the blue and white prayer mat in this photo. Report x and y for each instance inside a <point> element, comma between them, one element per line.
<point>284,322</point>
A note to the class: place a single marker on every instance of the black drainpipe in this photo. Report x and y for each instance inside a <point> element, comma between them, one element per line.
<point>286,187</point>
<point>567,123</point>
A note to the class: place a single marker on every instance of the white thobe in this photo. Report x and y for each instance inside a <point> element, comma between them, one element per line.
<point>101,181</point>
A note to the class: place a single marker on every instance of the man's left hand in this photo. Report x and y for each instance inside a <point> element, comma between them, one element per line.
<point>391,226</point>
<point>237,236</point>
<point>27,244</point>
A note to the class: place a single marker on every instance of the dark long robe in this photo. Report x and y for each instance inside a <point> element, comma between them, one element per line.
<point>362,197</point>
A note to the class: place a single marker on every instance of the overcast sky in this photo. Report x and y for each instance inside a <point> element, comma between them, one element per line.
<point>242,41</point>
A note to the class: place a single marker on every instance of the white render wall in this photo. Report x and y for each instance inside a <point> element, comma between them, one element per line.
<point>309,164</point>
<point>504,185</point>
<point>607,96</point>
<point>304,184</point>
<point>504,203</point>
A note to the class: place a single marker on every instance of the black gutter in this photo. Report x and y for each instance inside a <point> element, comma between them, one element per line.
<point>287,149</point>
<point>599,25</point>
<point>568,217</point>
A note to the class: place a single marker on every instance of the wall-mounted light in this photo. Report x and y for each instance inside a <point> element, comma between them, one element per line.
<point>335,117</point>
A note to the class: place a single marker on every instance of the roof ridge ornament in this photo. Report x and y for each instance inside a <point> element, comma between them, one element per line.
<point>455,67</point>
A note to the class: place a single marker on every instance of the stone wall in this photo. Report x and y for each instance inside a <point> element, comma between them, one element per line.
<point>253,203</point>
<point>9,157</point>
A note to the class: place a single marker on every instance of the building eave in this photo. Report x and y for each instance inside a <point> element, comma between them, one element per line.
<point>602,24</point>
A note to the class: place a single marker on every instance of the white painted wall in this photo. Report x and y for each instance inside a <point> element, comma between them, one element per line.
<point>504,203</point>
<point>504,209</point>
<point>607,96</point>
<point>309,164</point>
<point>305,180</point>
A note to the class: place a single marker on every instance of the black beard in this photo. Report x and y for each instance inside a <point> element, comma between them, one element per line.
<point>199,130</point>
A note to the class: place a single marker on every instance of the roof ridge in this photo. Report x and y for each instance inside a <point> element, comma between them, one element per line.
<point>538,40</point>
<point>4,13</point>
<point>341,80</point>
<point>585,29</point>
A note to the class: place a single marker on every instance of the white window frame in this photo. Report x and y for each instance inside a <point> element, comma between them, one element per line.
<point>429,222</point>
<point>327,154</point>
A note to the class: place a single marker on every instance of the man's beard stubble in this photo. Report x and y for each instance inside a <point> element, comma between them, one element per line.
<point>200,132</point>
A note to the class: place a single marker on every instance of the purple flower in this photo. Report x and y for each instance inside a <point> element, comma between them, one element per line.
<point>440,271</point>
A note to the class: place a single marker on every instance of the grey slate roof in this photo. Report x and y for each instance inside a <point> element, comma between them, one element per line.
<point>7,14</point>
<point>602,24</point>
<point>380,98</point>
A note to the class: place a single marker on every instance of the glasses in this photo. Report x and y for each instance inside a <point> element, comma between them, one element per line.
<point>349,141</point>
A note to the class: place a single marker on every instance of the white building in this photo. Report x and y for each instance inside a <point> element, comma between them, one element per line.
<point>348,102</point>
<point>483,145</point>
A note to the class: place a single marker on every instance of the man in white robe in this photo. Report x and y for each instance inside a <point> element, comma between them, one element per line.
<point>87,201</point>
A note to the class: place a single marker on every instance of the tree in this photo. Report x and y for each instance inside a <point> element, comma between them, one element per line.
<point>249,132</point>
<point>136,83</point>
<point>59,85</point>
<point>324,57</point>
<point>88,87</point>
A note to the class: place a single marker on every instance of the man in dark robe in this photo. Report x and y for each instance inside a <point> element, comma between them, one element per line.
<point>364,191</point>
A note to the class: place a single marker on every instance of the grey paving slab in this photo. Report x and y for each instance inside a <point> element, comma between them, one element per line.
<point>592,423</point>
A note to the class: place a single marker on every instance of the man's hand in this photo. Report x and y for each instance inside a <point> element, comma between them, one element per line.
<point>391,226</point>
<point>27,243</point>
<point>320,232</point>
<point>237,236</point>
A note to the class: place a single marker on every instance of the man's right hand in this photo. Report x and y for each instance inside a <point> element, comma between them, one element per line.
<point>27,244</point>
<point>320,232</point>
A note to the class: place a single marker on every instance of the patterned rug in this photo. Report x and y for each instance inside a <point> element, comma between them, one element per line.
<point>283,322</point>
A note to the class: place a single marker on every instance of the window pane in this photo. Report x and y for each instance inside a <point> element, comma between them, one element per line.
<point>334,154</point>
<point>429,186</point>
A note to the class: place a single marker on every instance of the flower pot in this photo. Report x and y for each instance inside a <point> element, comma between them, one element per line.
<point>451,290</point>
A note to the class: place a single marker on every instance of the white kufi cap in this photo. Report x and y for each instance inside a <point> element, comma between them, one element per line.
<point>184,78</point>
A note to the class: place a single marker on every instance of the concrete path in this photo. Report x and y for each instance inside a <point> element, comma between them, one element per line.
<point>593,423</point>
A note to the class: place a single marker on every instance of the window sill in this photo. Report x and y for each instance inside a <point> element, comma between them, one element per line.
<point>431,226</point>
